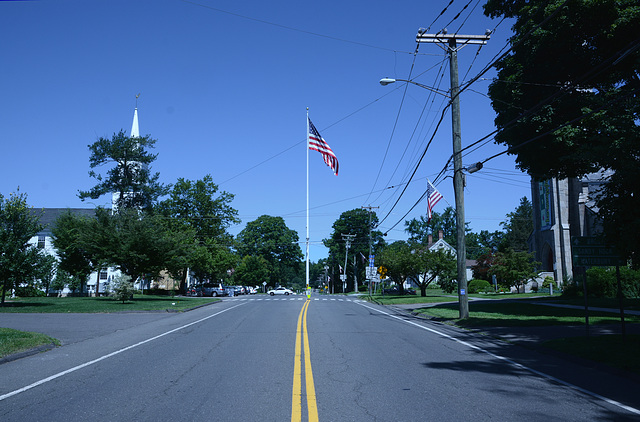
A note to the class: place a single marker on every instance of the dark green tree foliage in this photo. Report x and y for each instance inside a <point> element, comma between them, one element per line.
<point>567,99</point>
<point>518,227</point>
<point>513,269</point>
<point>401,263</point>
<point>140,246</point>
<point>202,214</point>
<point>252,271</point>
<point>485,242</point>
<point>270,238</point>
<point>46,271</point>
<point>434,265</point>
<point>18,259</point>
<point>129,174</point>
<point>72,238</point>
<point>419,230</point>
<point>603,282</point>
<point>358,222</point>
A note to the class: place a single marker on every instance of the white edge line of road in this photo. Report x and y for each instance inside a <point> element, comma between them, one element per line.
<point>511,362</point>
<point>117,352</point>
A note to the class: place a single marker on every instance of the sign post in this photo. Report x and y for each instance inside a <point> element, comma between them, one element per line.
<point>591,251</point>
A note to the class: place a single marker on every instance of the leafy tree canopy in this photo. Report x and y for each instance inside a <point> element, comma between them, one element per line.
<point>129,175</point>
<point>18,224</point>
<point>567,99</point>
<point>518,227</point>
<point>358,222</point>
<point>270,238</point>
<point>202,215</point>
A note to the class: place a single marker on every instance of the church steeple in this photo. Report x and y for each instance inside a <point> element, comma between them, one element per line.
<point>135,130</point>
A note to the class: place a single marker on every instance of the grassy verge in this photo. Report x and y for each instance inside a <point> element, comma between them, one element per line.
<point>611,350</point>
<point>102,304</point>
<point>408,299</point>
<point>14,341</point>
<point>437,295</point>
<point>519,314</point>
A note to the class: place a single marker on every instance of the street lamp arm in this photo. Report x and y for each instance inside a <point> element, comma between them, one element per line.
<point>387,81</point>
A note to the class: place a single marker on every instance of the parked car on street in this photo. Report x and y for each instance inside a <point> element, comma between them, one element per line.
<point>233,290</point>
<point>280,291</point>
<point>214,290</point>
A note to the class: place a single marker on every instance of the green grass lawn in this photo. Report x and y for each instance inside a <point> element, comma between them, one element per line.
<point>14,341</point>
<point>612,350</point>
<point>102,304</point>
<point>519,314</point>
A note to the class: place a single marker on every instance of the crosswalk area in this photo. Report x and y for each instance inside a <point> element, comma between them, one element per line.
<point>289,298</point>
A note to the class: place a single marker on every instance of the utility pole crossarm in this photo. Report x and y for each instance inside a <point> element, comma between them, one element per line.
<point>460,39</point>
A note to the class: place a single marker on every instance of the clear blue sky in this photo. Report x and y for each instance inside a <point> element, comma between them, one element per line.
<point>224,89</point>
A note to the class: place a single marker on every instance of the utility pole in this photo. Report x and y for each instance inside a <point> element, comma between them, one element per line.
<point>370,208</point>
<point>450,42</point>
<point>347,238</point>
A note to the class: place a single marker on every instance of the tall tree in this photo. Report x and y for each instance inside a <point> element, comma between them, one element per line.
<point>141,247</point>
<point>358,222</point>
<point>270,238</point>
<point>434,265</point>
<point>419,230</point>
<point>518,227</point>
<point>401,263</point>
<point>18,258</point>
<point>567,99</point>
<point>129,175</point>
<point>70,234</point>
<point>513,269</point>
<point>197,207</point>
<point>252,271</point>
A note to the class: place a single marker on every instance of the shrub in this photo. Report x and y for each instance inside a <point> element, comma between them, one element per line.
<point>603,282</point>
<point>477,286</point>
<point>123,288</point>
<point>548,280</point>
<point>28,291</point>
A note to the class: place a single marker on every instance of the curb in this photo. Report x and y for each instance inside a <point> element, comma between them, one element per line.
<point>26,353</point>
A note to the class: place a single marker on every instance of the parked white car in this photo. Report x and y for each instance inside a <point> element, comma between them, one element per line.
<point>280,291</point>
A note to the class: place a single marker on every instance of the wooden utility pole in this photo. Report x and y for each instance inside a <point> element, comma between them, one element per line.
<point>451,43</point>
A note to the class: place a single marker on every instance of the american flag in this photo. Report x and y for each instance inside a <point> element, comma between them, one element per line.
<point>433,196</point>
<point>316,143</point>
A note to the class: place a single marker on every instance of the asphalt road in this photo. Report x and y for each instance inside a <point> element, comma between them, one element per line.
<point>235,361</point>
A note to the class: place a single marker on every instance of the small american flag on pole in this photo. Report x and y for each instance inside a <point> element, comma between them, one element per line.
<point>433,196</point>
<point>316,143</point>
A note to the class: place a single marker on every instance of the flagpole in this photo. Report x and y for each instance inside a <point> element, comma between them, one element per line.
<point>307,243</point>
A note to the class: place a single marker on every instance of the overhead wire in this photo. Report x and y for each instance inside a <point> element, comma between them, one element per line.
<point>404,94</point>
<point>290,28</point>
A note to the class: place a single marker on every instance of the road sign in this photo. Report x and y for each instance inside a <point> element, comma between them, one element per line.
<point>589,251</point>
<point>371,272</point>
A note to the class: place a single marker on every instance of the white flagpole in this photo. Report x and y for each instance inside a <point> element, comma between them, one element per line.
<point>307,243</point>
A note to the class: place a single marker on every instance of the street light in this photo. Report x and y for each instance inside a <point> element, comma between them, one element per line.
<point>387,81</point>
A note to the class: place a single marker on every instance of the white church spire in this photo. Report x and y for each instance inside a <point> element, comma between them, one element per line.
<point>135,130</point>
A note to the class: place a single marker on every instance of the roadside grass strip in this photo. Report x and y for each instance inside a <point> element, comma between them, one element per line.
<point>15,341</point>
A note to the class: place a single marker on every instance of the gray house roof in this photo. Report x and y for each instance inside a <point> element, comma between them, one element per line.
<point>48,216</point>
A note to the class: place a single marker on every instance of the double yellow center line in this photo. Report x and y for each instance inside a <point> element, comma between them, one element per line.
<point>310,390</point>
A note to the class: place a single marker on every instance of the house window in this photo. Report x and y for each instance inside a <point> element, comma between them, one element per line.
<point>103,275</point>
<point>41,242</point>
